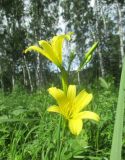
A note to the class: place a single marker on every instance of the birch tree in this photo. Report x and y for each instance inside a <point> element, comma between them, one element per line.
<point>98,12</point>
<point>29,74</point>
<point>120,28</point>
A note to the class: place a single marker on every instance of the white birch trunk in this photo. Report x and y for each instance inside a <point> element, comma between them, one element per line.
<point>101,62</point>
<point>29,75</point>
<point>78,74</point>
<point>1,81</point>
<point>13,82</point>
<point>96,9</point>
<point>119,10</point>
<point>24,76</point>
<point>37,72</point>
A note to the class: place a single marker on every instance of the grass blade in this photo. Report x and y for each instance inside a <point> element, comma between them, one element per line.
<point>118,127</point>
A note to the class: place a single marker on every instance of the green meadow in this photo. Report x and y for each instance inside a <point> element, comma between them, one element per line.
<point>28,131</point>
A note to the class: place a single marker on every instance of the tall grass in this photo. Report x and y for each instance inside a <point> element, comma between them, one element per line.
<point>27,131</point>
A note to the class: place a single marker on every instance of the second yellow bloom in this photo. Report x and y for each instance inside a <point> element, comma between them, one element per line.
<point>71,106</point>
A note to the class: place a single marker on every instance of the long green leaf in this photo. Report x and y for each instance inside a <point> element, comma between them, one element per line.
<point>118,127</point>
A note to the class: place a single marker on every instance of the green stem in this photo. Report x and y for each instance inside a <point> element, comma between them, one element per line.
<point>59,138</point>
<point>64,79</point>
<point>62,136</point>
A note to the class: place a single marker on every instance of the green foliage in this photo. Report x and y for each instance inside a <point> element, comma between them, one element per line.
<point>100,137</point>
<point>29,132</point>
<point>103,83</point>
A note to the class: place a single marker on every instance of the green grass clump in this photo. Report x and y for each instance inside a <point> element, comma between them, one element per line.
<point>28,131</point>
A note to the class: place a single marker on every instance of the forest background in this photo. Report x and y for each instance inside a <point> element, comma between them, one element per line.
<point>24,78</point>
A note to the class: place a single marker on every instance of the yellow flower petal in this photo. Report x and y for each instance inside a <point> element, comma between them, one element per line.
<point>71,93</point>
<point>37,49</point>
<point>82,100</point>
<point>57,44</point>
<point>46,46</point>
<point>88,115</point>
<point>41,51</point>
<point>58,94</point>
<point>53,108</point>
<point>75,126</point>
<point>49,50</point>
<point>65,109</point>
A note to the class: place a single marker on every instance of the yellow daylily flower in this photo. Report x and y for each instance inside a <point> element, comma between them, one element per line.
<point>71,106</point>
<point>51,50</point>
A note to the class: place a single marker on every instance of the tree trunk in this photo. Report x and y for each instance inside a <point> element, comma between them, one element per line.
<point>13,77</point>
<point>120,25</point>
<point>101,62</point>
<point>1,80</point>
<point>38,32</point>
<point>78,74</point>
<point>97,13</point>
<point>24,75</point>
<point>37,72</point>
<point>29,75</point>
<point>13,82</point>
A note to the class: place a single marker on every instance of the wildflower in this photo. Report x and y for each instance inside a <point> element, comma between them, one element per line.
<point>52,49</point>
<point>71,106</point>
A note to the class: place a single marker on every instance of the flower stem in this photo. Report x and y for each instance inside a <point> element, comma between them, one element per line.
<point>64,79</point>
<point>59,139</point>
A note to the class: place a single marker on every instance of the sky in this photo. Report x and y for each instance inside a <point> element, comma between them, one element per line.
<point>92,3</point>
